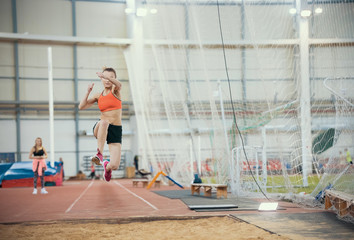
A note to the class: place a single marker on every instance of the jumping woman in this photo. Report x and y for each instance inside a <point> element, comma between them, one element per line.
<point>109,127</point>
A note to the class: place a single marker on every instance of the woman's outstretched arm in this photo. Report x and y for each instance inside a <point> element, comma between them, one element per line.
<point>87,102</point>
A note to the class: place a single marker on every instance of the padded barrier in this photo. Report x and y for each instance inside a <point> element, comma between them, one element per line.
<point>20,174</point>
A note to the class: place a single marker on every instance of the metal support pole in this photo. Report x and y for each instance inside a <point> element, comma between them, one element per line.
<point>232,171</point>
<point>51,105</point>
<point>17,83</point>
<point>257,165</point>
<point>135,52</point>
<point>238,172</point>
<point>243,68</point>
<point>76,85</point>
<point>264,157</point>
<point>186,24</point>
<point>130,4</point>
<point>191,157</point>
<point>188,86</point>
<point>199,156</point>
<point>305,101</point>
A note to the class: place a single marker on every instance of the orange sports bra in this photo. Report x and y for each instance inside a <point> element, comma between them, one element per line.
<point>109,102</point>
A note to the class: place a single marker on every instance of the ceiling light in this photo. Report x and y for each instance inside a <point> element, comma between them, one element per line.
<point>292,11</point>
<point>153,11</point>
<point>305,13</point>
<point>318,10</point>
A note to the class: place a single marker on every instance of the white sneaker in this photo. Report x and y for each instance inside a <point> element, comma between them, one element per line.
<point>43,191</point>
<point>34,191</point>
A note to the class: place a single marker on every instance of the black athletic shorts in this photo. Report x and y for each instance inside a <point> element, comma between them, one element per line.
<point>114,134</point>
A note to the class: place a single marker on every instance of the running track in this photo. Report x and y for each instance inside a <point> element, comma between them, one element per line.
<point>96,199</point>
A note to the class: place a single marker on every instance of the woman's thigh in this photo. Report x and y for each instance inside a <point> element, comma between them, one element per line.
<point>115,150</point>
<point>98,126</point>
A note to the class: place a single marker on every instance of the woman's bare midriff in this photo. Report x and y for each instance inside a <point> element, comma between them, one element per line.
<point>114,117</point>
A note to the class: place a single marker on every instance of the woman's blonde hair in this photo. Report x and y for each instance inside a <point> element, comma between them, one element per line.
<point>35,144</point>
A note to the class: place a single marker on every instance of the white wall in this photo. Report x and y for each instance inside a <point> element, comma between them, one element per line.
<point>154,27</point>
<point>336,21</point>
<point>44,17</point>
<point>8,136</point>
<point>101,19</point>
<point>277,23</point>
<point>5,16</point>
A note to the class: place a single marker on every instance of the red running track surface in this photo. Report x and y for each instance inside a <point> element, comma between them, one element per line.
<point>97,199</point>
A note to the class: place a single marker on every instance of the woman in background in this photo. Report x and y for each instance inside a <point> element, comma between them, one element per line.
<point>38,154</point>
<point>109,127</point>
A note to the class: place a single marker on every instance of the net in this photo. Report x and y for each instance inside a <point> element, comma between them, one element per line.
<point>201,61</point>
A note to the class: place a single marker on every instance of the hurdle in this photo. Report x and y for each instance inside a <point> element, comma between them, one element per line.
<point>158,174</point>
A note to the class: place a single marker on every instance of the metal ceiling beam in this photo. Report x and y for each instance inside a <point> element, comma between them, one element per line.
<point>193,43</point>
<point>64,39</point>
<point>238,3</point>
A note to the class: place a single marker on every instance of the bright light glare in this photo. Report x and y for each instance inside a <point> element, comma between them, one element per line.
<point>318,10</point>
<point>153,11</point>
<point>268,206</point>
<point>305,13</point>
<point>141,12</point>
<point>128,10</point>
<point>292,11</point>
